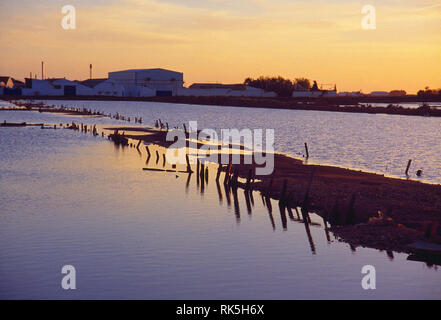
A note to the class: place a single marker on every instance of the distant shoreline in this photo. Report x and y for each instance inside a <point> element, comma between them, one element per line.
<point>333,104</point>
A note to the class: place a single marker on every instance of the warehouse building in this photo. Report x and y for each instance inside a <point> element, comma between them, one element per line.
<point>226,90</point>
<point>159,82</point>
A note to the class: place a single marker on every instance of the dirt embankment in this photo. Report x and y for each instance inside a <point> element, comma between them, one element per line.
<point>362,208</point>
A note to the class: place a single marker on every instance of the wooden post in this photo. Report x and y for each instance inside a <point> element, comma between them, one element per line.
<point>408,166</point>
<point>283,195</point>
<point>250,174</point>
<point>268,190</point>
<point>185,128</point>
<point>219,169</point>
<point>188,164</point>
<point>202,172</point>
<point>306,149</point>
<point>227,173</point>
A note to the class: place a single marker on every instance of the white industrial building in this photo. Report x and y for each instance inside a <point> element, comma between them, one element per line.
<point>379,94</point>
<point>159,81</point>
<point>55,87</point>
<point>105,87</point>
<point>314,94</point>
<point>227,90</point>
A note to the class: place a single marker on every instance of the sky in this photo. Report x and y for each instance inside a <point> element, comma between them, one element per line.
<point>229,40</point>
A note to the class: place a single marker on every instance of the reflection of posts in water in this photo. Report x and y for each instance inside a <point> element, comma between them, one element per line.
<point>325,223</point>
<point>270,212</point>
<point>202,172</point>
<point>306,220</point>
<point>188,182</point>
<point>236,205</point>
<point>148,155</point>
<point>251,198</point>
<point>291,216</point>
<point>227,174</point>
<point>188,163</point>
<point>263,199</point>
<point>157,156</point>
<point>163,160</point>
<point>219,169</point>
<point>247,201</point>
<point>308,188</point>
<point>283,216</point>
<point>201,179</point>
<point>219,192</point>
<point>227,195</point>
<point>197,172</point>
<point>206,175</point>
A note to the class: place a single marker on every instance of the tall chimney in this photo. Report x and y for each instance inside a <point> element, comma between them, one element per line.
<point>90,69</point>
<point>42,70</point>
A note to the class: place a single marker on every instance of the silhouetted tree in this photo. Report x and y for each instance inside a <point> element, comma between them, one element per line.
<point>302,83</point>
<point>283,87</point>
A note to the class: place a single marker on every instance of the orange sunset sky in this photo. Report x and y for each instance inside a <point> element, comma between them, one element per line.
<point>227,41</point>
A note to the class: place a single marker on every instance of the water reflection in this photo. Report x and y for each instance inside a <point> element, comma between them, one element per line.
<point>230,192</point>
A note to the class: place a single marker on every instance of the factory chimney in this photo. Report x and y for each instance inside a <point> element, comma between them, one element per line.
<point>90,71</point>
<point>42,70</point>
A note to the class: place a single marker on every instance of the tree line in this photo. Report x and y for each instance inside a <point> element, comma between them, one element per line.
<point>283,87</point>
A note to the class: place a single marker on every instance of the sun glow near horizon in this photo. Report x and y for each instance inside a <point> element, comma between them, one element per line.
<point>227,41</point>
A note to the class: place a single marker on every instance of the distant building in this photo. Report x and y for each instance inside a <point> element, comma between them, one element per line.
<point>6,82</point>
<point>109,87</point>
<point>314,94</point>
<point>160,81</point>
<point>350,94</point>
<point>397,93</point>
<point>379,94</point>
<point>105,87</point>
<point>218,89</point>
<point>55,87</point>
<point>18,83</point>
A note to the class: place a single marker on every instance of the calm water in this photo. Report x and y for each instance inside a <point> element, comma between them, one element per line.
<point>70,198</point>
<point>377,143</point>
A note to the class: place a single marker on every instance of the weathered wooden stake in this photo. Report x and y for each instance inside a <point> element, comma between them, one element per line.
<point>250,174</point>
<point>188,164</point>
<point>219,169</point>
<point>306,149</point>
<point>408,166</point>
